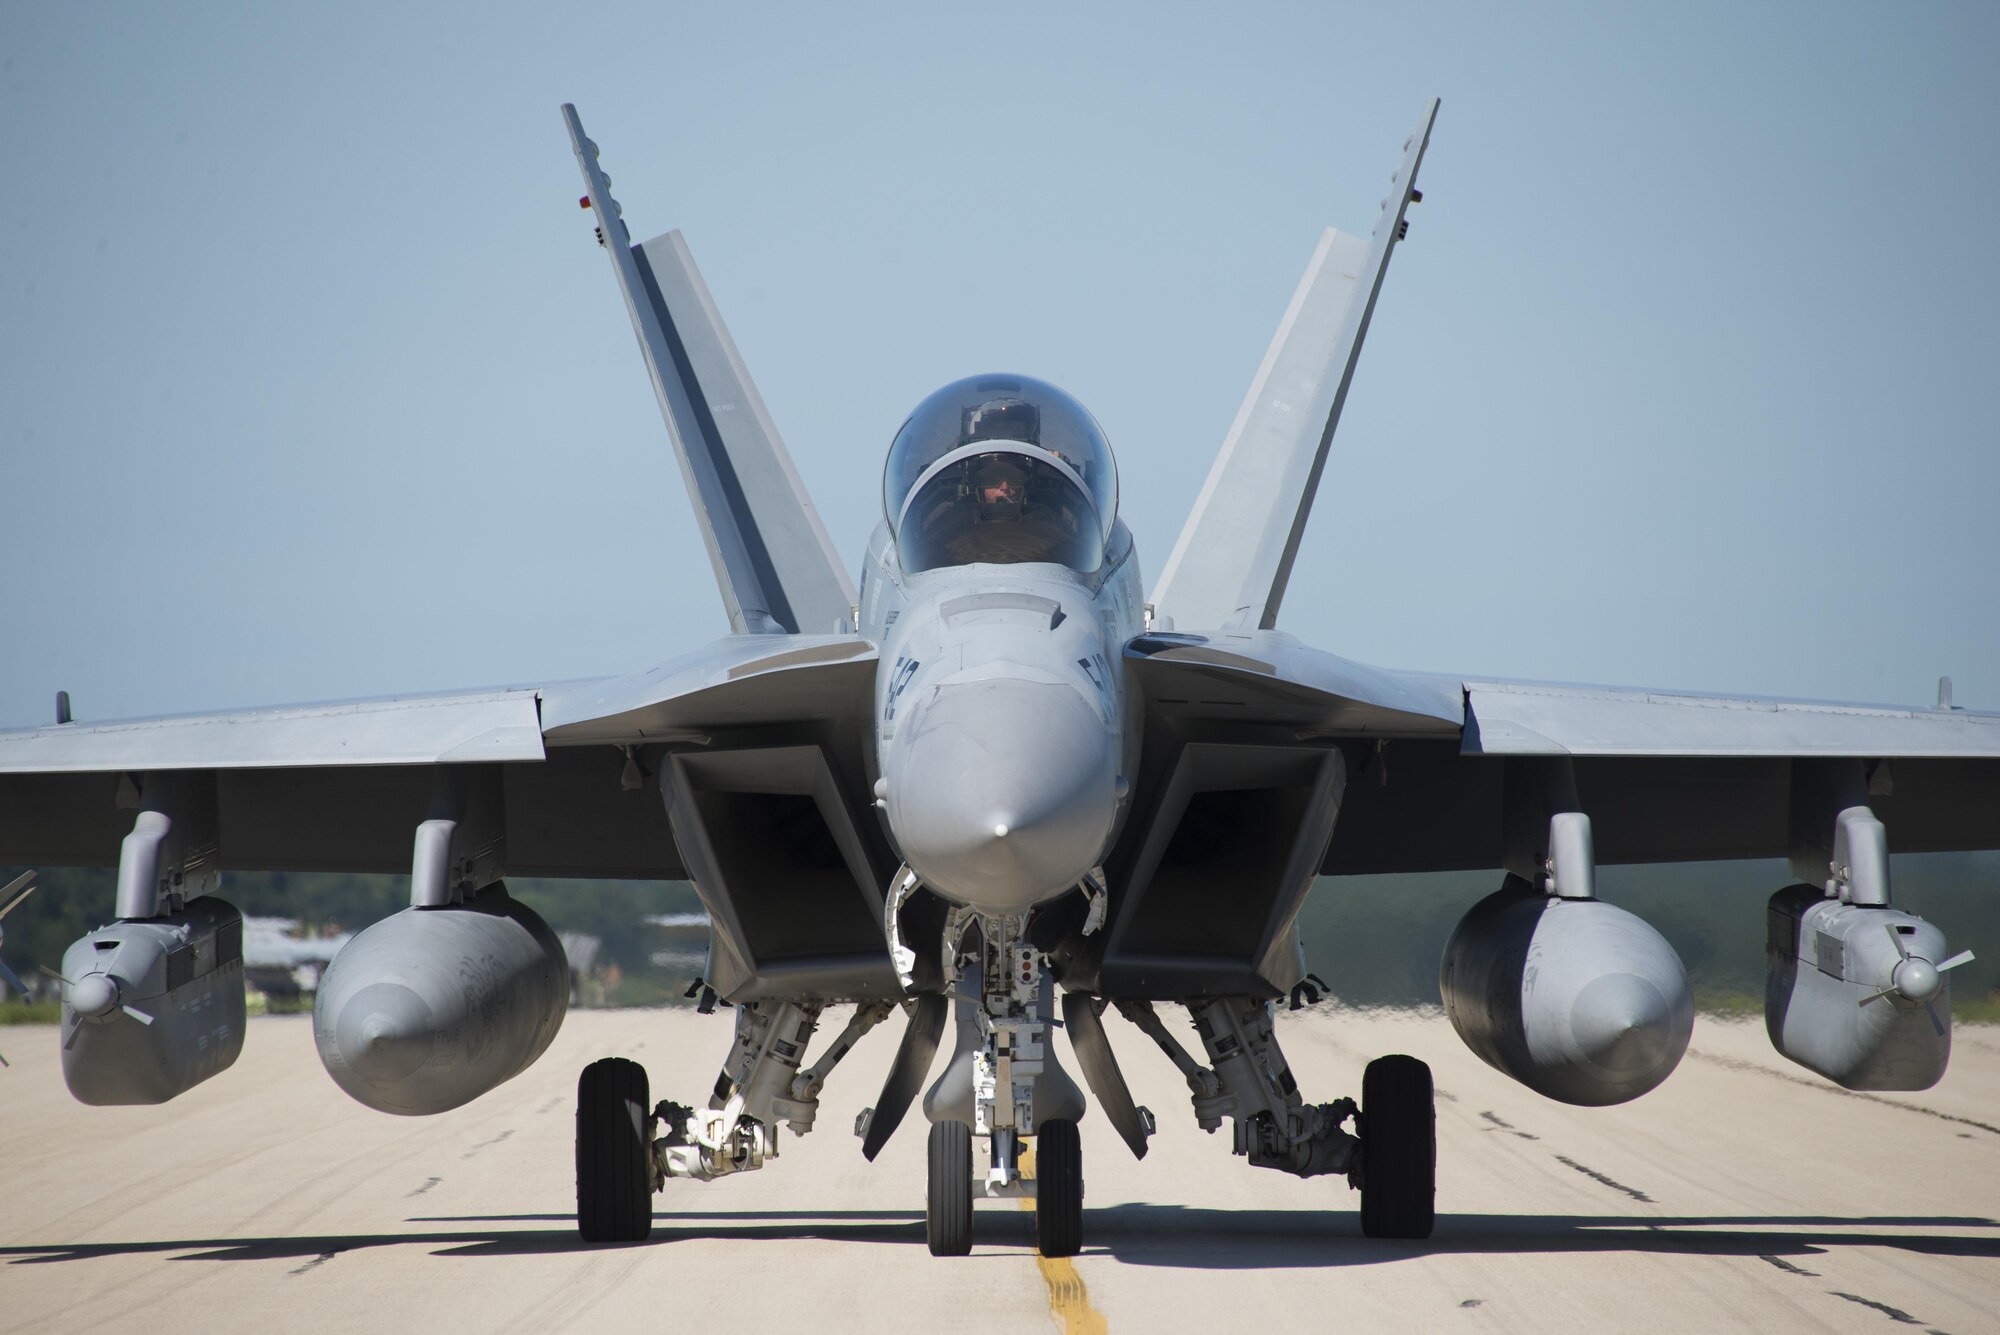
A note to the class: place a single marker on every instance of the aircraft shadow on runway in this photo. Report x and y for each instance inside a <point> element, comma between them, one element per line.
<point>1161,1235</point>
<point>1195,1238</point>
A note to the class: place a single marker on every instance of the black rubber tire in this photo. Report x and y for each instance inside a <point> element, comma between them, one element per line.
<point>1398,1149</point>
<point>1058,1190</point>
<point>614,1171</point>
<point>948,1208</point>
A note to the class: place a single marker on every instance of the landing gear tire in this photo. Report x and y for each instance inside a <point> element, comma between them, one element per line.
<point>614,1171</point>
<point>1398,1149</point>
<point>948,1208</point>
<point>1058,1190</point>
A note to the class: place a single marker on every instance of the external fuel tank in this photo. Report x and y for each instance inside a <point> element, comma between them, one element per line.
<point>1575,998</point>
<point>432,1007</point>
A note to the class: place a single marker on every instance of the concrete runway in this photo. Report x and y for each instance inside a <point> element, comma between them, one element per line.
<point>1744,1194</point>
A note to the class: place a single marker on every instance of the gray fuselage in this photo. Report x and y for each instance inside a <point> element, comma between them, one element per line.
<point>1005,735</point>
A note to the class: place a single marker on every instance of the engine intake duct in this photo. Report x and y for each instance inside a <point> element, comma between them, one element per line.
<point>1205,901</point>
<point>430,1008</point>
<point>1575,998</point>
<point>791,878</point>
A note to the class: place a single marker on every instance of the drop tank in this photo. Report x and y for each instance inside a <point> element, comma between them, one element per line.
<point>1575,998</point>
<point>430,1008</point>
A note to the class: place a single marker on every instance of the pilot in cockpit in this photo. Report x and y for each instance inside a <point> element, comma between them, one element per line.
<point>999,470</point>
<point>1001,488</point>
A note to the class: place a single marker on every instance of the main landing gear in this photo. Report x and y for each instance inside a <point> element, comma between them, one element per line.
<point>1001,1082</point>
<point>626,1151</point>
<point>614,1156</point>
<point>1398,1168</point>
<point>1391,1155</point>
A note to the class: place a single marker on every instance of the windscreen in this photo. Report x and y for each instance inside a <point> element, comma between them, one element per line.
<point>1000,469</point>
<point>1000,507</point>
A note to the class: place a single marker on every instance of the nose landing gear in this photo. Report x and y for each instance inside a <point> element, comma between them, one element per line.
<point>1002,1080</point>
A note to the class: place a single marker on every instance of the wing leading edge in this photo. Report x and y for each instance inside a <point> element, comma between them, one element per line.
<point>340,786</point>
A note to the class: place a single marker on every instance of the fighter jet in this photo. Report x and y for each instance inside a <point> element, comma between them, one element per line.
<point>1003,786</point>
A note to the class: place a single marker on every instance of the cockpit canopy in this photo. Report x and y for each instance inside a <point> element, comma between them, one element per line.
<point>1001,469</point>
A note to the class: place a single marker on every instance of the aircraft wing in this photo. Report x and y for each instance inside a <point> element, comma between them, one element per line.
<point>341,786</point>
<point>1664,775</point>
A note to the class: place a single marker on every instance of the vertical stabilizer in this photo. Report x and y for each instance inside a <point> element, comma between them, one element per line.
<point>773,559</point>
<point>1234,557</point>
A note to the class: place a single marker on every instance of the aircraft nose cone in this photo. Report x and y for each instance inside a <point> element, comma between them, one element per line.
<point>1622,1024</point>
<point>1001,792</point>
<point>93,994</point>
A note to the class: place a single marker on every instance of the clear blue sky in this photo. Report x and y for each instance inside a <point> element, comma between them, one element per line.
<point>313,383</point>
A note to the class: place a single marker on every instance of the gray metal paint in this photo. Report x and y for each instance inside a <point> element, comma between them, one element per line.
<point>1825,958</point>
<point>1002,726</point>
<point>950,1098</point>
<point>773,560</point>
<point>430,1008</point>
<point>1577,999</point>
<point>1530,718</point>
<point>1092,1047</point>
<point>398,730</point>
<point>914,1055</point>
<point>1234,557</point>
<point>174,851</point>
<point>1270,677</point>
<point>747,881</point>
<point>182,972</point>
<point>1156,944</point>
<point>737,681</point>
<point>343,785</point>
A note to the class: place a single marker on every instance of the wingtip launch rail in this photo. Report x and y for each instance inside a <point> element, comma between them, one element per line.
<point>776,566</point>
<point>1234,557</point>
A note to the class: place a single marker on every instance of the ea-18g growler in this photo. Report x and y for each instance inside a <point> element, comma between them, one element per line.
<point>999,788</point>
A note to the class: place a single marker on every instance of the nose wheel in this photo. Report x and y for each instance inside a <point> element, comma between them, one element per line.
<point>1058,1190</point>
